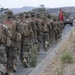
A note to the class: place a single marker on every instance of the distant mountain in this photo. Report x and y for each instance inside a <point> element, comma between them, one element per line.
<point>53,11</point>
<point>23,9</point>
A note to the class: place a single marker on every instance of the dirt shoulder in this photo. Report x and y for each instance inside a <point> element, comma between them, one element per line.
<point>55,66</point>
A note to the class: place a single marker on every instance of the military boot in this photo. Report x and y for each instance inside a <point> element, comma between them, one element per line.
<point>14,68</point>
<point>25,63</point>
<point>10,72</point>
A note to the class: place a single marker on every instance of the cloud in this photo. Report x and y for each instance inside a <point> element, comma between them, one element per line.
<point>47,3</point>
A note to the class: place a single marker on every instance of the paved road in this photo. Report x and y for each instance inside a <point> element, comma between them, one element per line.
<point>41,55</point>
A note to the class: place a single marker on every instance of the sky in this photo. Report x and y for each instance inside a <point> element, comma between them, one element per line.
<point>36,3</point>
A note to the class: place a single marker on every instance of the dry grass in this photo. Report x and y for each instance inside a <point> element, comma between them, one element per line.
<point>55,67</point>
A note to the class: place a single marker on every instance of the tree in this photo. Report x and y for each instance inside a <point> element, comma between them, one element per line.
<point>66,14</point>
<point>41,10</point>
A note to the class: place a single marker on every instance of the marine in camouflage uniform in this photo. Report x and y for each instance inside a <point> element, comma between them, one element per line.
<point>52,25</point>
<point>61,25</point>
<point>33,25</point>
<point>45,32</point>
<point>13,46</point>
<point>55,23</point>
<point>38,30</point>
<point>4,36</point>
<point>20,29</point>
<point>27,41</point>
<point>26,32</point>
<point>49,23</point>
<point>57,30</point>
<point>34,38</point>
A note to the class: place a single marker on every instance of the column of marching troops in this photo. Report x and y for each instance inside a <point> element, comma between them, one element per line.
<point>24,36</point>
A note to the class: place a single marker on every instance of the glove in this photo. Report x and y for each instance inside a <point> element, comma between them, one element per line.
<point>18,37</point>
<point>8,42</point>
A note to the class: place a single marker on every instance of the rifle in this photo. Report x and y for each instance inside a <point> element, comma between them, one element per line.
<point>21,50</point>
<point>7,53</point>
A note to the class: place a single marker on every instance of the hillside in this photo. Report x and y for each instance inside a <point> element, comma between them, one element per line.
<point>23,9</point>
<point>53,11</point>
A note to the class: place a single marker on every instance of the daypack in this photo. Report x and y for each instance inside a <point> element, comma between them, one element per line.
<point>12,28</point>
<point>45,27</point>
<point>2,35</point>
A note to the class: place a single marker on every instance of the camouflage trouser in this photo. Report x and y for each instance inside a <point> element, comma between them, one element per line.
<point>59,34</point>
<point>18,46</point>
<point>3,58</point>
<point>26,44</point>
<point>55,36</point>
<point>39,41</point>
<point>26,49</point>
<point>11,57</point>
<point>45,38</point>
<point>50,36</point>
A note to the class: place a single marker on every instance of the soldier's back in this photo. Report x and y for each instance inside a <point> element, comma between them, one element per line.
<point>12,27</point>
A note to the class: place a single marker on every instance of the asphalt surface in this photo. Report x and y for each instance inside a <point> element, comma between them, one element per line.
<point>41,55</point>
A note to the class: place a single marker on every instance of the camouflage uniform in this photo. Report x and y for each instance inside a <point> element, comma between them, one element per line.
<point>3,43</point>
<point>55,30</point>
<point>34,39</point>
<point>61,25</point>
<point>52,35</point>
<point>49,23</point>
<point>27,43</point>
<point>25,30</point>
<point>38,31</point>
<point>45,32</point>
<point>13,47</point>
<point>59,30</point>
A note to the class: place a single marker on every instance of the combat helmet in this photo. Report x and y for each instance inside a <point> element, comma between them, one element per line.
<point>27,15</point>
<point>38,15</point>
<point>32,14</point>
<point>21,15</point>
<point>9,13</point>
<point>48,16</point>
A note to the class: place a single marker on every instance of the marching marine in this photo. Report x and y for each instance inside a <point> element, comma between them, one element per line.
<point>13,46</point>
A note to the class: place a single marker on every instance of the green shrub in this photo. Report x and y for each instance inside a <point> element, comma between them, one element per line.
<point>33,54</point>
<point>59,72</point>
<point>66,57</point>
